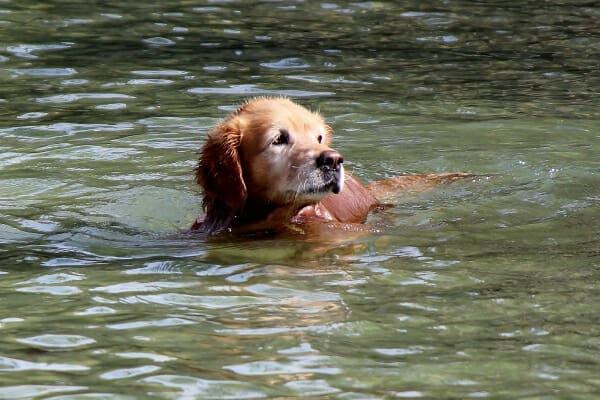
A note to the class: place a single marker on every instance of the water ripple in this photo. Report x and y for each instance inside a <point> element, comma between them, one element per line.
<point>310,364</point>
<point>149,81</point>
<point>286,63</point>
<point>65,128</point>
<point>160,72</point>
<point>14,364</point>
<point>111,107</point>
<point>125,373</point>
<point>50,279</point>
<point>165,322</point>
<point>57,342</point>
<point>311,387</point>
<point>37,391</point>
<point>326,79</point>
<point>72,97</point>
<point>210,302</point>
<point>158,41</point>
<point>53,290</point>
<point>49,72</point>
<point>192,387</point>
<point>253,90</point>
<point>27,50</point>
<point>140,287</point>
<point>150,356</point>
<point>32,115</point>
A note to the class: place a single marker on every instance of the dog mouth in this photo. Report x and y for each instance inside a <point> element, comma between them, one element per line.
<point>331,180</point>
<point>333,186</point>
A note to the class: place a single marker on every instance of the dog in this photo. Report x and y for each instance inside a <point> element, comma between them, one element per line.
<point>270,166</point>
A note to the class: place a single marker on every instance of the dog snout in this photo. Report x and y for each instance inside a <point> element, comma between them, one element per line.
<point>330,158</point>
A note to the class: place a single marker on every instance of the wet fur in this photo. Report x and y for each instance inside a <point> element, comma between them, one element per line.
<point>252,182</point>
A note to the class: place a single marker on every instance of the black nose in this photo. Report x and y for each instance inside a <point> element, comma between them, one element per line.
<point>329,158</point>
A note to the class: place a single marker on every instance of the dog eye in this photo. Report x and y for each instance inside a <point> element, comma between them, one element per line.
<point>283,138</point>
<point>320,138</point>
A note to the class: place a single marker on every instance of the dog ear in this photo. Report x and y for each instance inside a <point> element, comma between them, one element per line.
<point>220,174</point>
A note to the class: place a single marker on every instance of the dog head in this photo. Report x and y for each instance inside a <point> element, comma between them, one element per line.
<point>269,156</point>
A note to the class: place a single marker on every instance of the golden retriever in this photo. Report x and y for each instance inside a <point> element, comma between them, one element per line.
<point>269,166</point>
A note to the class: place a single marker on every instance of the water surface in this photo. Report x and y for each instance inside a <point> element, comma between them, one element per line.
<point>485,288</point>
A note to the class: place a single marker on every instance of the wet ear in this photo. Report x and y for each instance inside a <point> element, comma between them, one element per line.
<point>220,175</point>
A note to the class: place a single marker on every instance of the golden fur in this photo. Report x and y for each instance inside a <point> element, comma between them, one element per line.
<point>269,164</point>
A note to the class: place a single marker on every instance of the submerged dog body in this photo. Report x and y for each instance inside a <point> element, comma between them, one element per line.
<point>269,164</point>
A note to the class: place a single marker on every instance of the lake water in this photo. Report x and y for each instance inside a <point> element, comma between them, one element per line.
<point>487,288</point>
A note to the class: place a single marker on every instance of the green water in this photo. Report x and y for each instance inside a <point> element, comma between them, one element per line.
<point>483,289</point>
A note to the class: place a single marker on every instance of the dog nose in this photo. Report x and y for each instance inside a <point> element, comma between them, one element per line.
<point>330,158</point>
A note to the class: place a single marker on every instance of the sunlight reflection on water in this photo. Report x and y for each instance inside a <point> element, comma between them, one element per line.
<point>471,290</point>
